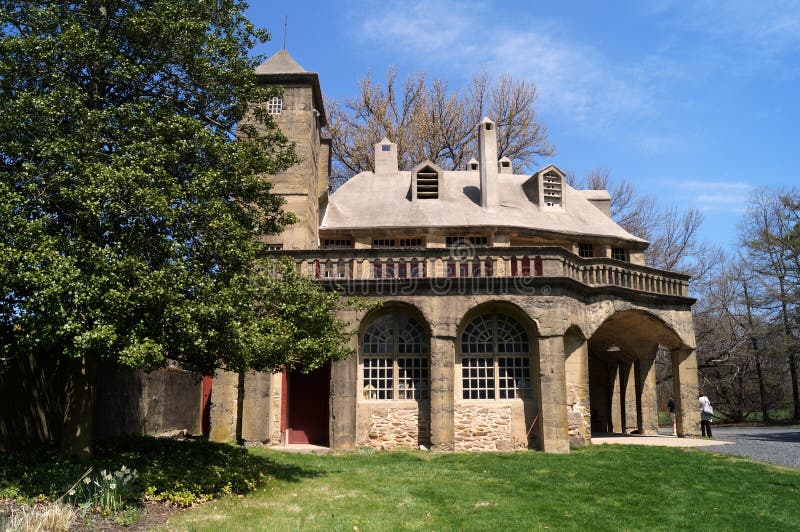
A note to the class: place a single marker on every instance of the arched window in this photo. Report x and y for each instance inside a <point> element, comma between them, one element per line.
<point>396,358</point>
<point>495,359</point>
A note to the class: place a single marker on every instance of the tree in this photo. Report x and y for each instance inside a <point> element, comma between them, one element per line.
<point>673,234</point>
<point>429,121</point>
<point>131,199</point>
<point>768,233</point>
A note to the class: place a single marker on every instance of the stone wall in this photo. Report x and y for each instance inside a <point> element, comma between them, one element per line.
<point>398,427</point>
<point>485,428</point>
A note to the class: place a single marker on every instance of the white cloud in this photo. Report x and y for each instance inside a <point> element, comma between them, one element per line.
<point>573,79</point>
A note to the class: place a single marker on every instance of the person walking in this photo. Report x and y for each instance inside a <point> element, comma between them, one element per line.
<point>706,413</point>
<point>671,406</point>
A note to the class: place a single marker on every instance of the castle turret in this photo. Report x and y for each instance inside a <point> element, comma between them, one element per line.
<point>300,114</point>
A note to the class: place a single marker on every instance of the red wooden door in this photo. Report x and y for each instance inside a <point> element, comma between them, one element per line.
<point>308,406</point>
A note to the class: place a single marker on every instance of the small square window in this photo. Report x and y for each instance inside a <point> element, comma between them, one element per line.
<point>385,147</point>
<point>585,250</point>
<point>619,254</point>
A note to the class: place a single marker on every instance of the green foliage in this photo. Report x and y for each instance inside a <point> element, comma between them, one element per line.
<point>179,472</point>
<point>604,487</point>
<point>131,199</point>
<point>106,492</point>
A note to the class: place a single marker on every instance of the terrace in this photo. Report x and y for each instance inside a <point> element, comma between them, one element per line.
<point>468,262</point>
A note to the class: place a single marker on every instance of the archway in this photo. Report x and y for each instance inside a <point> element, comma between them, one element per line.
<point>621,371</point>
<point>496,380</point>
<point>394,378</point>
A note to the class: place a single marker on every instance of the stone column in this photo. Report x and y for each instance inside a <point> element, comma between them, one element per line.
<point>577,374</point>
<point>256,405</point>
<point>647,412</point>
<point>553,434</point>
<point>443,356</point>
<point>224,406</point>
<point>616,389</point>
<point>684,389</point>
<point>344,380</point>
<point>630,403</point>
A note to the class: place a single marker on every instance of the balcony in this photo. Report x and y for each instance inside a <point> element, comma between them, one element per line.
<point>476,263</point>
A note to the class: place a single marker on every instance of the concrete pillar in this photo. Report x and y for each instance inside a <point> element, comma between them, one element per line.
<point>224,406</point>
<point>255,407</point>
<point>616,387</point>
<point>553,435</point>
<point>275,410</point>
<point>577,374</point>
<point>684,389</point>
<point>443,376</point>
<point>647,413</point>
<point>631,398</point>
<point>344,380</point>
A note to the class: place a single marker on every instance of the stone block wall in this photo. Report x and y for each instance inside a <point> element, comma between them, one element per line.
<point>485,428</point>
<point>397,427</point>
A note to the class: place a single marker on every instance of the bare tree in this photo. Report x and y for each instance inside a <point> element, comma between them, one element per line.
<point>673,234</point>
<point>429,121</point>
<point>768,232</point>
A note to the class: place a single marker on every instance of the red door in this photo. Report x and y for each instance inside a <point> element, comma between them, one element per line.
<point>308,406</point>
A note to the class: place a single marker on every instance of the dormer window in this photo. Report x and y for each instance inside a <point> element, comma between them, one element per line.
<point>552,189</point>
<point>473,165</point>
<point>620,254</point>
<point>275,105</point>
<point>425,181</point>
<point>585,250</point>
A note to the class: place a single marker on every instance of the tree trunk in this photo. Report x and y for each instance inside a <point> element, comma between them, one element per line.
<point>79,408</point>
<point>762,390</point>
<point>789,343</point>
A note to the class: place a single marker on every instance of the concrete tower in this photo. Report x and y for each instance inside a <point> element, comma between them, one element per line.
<point>300,114</point>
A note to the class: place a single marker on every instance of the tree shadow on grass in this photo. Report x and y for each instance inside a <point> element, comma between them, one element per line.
<point>180,471</point>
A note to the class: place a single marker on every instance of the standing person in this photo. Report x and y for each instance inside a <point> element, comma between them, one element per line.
<point>671,406</point>
<point>706,413</point>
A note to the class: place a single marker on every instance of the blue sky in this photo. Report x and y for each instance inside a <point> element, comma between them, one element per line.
<point>695,102</point>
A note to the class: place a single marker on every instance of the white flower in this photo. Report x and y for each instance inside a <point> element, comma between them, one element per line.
<point>87,480</point>
<point>72,492</point>
<point>112,486</point>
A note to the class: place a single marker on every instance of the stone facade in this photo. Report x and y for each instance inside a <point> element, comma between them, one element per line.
<point>514,313</point>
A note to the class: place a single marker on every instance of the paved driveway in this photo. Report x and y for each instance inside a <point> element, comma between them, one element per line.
<point>779,445</point>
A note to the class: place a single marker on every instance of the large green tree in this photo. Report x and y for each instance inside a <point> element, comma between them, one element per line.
<point>131,199</point>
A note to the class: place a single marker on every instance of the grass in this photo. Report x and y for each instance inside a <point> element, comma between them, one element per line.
<point>599,488</point>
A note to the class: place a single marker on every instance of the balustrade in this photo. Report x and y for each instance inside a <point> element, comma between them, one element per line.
<point>400,264</point>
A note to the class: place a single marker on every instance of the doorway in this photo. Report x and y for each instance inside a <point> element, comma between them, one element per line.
<point>307,400</point>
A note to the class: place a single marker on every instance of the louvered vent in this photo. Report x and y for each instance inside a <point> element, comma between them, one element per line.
<point>427,183</point>
<point>552,190</point>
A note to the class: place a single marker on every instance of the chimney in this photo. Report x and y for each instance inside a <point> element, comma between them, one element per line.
<point>505,166</point>
<point>487,146</point>
<point>385,157</point>
<point>472,165</point>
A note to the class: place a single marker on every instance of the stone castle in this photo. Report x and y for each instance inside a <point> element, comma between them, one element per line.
<point>515,313</point>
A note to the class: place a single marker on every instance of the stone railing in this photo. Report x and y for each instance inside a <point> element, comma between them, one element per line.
<point>483,262</point>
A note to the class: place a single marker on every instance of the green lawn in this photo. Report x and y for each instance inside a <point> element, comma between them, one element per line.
<point>599,488</point>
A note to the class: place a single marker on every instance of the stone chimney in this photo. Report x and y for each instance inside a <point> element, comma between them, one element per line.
<point>472,165</point>
<point>385,157</point>
<point>505,166</point>
<point>487,147</point>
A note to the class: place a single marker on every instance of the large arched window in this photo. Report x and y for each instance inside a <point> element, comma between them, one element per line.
<point>395,355</point>
<point>495,359</point>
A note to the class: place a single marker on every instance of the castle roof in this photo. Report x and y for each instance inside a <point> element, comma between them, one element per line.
<point>370,201</point>
<point>281,68</point>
